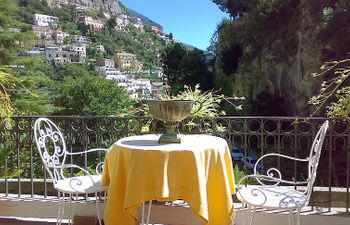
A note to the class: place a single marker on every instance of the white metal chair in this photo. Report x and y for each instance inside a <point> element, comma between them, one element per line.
<point>270,195</point>
<point>53,152</point>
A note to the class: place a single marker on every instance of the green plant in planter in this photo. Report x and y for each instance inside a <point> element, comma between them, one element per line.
<point>207,105</point>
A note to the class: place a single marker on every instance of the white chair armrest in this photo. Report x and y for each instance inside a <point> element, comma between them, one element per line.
<point>67,166</point>
<point>271,179</point>
<point>273,175</point>
<point>99,166</point>
<point>88,151</point>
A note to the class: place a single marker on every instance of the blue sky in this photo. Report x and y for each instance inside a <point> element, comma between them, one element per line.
<point>191,21</point>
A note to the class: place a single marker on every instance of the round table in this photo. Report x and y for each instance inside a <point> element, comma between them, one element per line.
<point>198,170</point>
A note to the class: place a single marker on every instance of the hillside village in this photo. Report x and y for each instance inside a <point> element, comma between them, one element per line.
<point>129,71</point>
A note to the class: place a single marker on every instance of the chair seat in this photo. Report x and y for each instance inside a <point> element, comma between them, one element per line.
<point>81,185</point>
<point>272,197</point>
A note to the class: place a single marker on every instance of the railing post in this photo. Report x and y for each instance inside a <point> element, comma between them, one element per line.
<point>347,165</point>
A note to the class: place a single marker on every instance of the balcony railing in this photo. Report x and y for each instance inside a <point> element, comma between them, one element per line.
<point>255,136</point>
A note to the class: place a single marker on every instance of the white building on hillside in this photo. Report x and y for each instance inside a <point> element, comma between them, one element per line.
<point>80,49</point>
<point>92,23</point>
<point>140,88</point>
<point>44,20</point>
<point>107,67</point>
<point>139,24</point>
<point>60,36</point>
<point>101,48</point>
<point>51,53</point>
<point>121,21</point>
<point>80,39</point>
<point>108,72</point>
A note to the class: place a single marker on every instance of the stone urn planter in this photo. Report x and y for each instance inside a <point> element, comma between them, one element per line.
<point>171,112</point>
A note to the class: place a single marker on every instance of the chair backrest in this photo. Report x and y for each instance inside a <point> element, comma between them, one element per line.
<point>51,146</point>
<point>314,157</point>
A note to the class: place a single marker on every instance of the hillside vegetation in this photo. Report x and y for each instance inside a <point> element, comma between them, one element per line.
<point>43,88</point>
<point>269,49</point>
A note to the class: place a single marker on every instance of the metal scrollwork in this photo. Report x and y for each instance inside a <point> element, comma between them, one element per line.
<point>46,131</point>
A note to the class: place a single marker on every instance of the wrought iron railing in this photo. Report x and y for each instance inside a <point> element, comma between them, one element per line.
<point>254,136</point>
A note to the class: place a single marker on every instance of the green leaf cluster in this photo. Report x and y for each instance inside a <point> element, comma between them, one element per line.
<point>333,28</point>
<point>186,67</point>
<point>91,95</point>
<point>334,94</point>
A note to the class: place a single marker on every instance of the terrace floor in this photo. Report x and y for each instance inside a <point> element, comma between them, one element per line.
<point>43,212</point>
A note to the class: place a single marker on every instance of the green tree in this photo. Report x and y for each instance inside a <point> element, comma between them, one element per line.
<point>33,94</point>
<point>235,7</point>
<point>10,44</point>
<point>111,23</point>
<point>195,67</point>
<point>149,61</point>
<point>29,7</point>
<point>71,70</point>
<point>183,67</point>
<point>171,59</point>
<point>6,108</point>
<point>334,95</point>
<point>91,95</point>
<point>92,52</point>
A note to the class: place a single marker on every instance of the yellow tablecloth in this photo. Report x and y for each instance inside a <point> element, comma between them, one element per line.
<point>199,171</point>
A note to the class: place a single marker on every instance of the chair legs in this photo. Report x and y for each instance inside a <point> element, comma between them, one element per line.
<point>97,210</point>
<point>247,214</point>
<point>71,212</point>
<point>294,217</point>
<point>148,213</point>
<point>60,213</point>
<point>61,208</point>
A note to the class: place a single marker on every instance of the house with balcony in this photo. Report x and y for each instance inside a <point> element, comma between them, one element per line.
<point>65,54</point>
<point>63,57</point>
<point>51,53</point>
<point>127,62</point>
<point>43,32</point>
<point>80,39</point>
<point>80,49</point>
<point>42,20</point>
<point>109,72</point>
<point>107,68</point>
<point>157,31</point>
<point>60,36</point>
<point>95,24</point>
<point>139,88</point>
<point>122,80</point>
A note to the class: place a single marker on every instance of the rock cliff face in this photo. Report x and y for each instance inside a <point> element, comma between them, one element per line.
<point>276,80</point>
<point>110,6</point>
